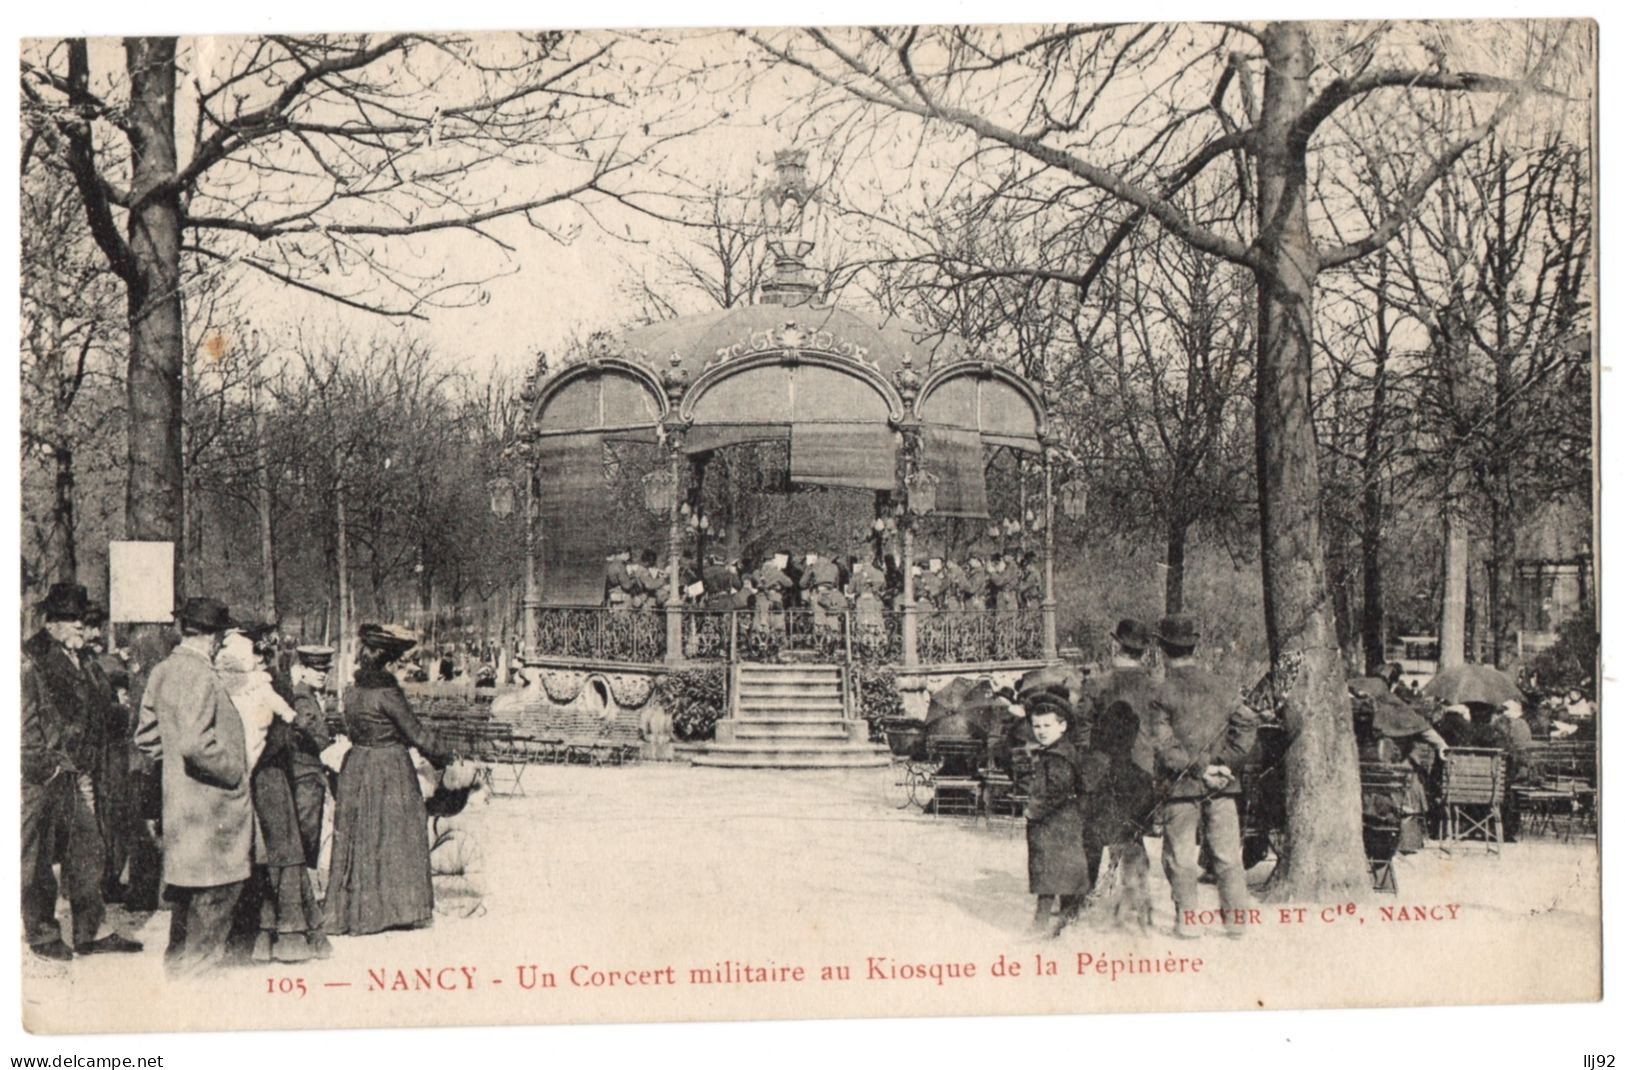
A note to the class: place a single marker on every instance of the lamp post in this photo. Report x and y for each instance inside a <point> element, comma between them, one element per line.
<point>523,451</point>
<point>1052,650</point>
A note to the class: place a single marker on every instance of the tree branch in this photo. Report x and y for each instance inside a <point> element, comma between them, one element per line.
<point>1384,232</point>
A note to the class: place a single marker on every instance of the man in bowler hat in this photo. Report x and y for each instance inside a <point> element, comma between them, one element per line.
<point>188,723</point>
<point>61,749</point>
<point>1205,733</point>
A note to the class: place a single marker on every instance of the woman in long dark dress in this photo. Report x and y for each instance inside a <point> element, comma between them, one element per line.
<point>380,864</point>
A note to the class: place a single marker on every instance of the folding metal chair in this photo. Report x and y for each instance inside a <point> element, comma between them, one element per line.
<point>1474,792</point>
<point>1382,807</point>
<point>956,784</point>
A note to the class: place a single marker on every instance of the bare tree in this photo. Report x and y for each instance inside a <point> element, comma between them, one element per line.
<point>1501,273</point>
<point>323,163</point>
<point>70,374</point>
<point>1131,114</point>
<point>1170,373</point>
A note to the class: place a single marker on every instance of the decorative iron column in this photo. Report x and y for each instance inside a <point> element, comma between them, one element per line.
<point>524,452</point>
<point>675,380</point>
<point>908,388</point>
<point>531,607</point>
<point>1051,642</point>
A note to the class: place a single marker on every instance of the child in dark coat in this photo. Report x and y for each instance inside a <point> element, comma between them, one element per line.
<point>1057,868</point>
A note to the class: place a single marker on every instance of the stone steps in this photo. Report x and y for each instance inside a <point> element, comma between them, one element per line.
<point>745,731</point>
<point>790,717</point>
<point>792,755</point>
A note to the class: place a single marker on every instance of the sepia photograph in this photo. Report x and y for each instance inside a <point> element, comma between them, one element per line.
<point>578,526</point>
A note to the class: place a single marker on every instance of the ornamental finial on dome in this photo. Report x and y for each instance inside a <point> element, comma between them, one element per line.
<point>790,212</point>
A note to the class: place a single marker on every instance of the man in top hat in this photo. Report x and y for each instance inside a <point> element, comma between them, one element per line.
<point>110,714</point>
<point>310,669</point>
<point>188,723</point>
<point>61,749</point>
<point>1204,735</point>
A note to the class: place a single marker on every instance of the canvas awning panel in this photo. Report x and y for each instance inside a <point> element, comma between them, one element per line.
<point>844,455</point>
<point>989,405</point>
<point>703,438</point>
<point>954,456</point>
<point>598,399</point>
<point>790,393</point>
<point>574,537</point>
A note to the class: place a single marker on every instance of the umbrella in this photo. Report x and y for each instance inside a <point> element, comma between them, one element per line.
<point>1390,715</point>
<point>1064,675</point>
<point>1473,683</point>
<point>964,709</point>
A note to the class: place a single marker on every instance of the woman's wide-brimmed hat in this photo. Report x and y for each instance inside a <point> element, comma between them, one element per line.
<point>388,639</point>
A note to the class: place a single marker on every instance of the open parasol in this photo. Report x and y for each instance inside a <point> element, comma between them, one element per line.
<point>1390,715</point>
<point>1473,683</point>
<point>964,709</point>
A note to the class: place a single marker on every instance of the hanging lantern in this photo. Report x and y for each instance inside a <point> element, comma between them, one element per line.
<point>1074,500</point>
<point>922,493</point>
<point>502,497</point>
<point>659,492</point>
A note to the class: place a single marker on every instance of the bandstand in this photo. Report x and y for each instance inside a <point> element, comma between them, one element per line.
<point>883,406</point>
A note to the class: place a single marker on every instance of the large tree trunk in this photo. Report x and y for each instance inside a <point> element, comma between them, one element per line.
<point>267,533</point>
<point>1373,612</point>
<point>64,520</point>
<point>1373,625</point>
<point>1501,568</point>
<point>1173,595</point>
<point>1325,854</point>
<point>152,496</point>
<point>1453,619</point>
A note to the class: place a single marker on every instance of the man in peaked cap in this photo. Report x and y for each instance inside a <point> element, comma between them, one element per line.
<point>61,748</point>
<point>188,723</point>
<point>310,669</point>
<point>1204,736</point>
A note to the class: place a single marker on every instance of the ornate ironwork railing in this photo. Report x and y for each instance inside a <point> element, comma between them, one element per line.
<point>597,634</point>
<point>948,636</point>
<point>865,634</point>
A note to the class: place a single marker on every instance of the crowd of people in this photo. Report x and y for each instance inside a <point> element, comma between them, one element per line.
<point>825,583</point>
<point>1106,754</point>
<point>1401,725</point>
<point>193,774</point>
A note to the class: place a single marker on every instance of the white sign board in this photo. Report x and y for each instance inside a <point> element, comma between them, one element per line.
<point>140,582</point>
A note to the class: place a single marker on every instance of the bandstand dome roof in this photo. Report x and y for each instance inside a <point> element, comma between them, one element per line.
<point>844,390</point>
<point>757,372</point>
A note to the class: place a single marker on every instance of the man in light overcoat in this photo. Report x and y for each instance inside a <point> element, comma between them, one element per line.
<point>189,724</point>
